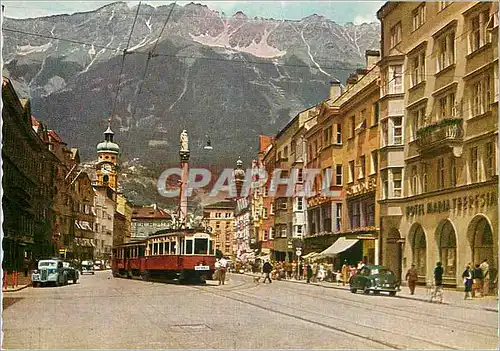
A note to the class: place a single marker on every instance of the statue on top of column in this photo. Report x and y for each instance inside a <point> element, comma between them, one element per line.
<point>184,141</point>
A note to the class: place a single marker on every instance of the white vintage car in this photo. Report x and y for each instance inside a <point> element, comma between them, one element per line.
<point>53,271</point>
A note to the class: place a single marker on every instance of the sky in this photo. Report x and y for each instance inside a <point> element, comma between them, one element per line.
<point>339,11</point>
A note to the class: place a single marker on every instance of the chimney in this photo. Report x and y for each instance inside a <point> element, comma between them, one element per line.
<point>335,89</point>
<point>372,57</point>
<point>351,80</point>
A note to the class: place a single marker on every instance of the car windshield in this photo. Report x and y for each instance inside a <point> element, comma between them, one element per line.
<point>375,271</point>
<point>47,264</point>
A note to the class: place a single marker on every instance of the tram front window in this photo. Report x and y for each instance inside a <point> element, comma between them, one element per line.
<point>189,247</point>
<point>200,246</point>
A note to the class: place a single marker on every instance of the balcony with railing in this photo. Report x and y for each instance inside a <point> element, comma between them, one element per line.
<point>438,137</point>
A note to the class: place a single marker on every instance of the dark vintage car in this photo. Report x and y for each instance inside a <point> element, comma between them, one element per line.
<point>71,272</point>
<point>375,279</point>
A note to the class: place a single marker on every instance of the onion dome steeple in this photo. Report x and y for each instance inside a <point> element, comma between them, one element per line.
<point>108,145</point>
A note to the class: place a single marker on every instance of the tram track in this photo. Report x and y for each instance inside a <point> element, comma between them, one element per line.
<point>311,320</point>
<point>366,306</point>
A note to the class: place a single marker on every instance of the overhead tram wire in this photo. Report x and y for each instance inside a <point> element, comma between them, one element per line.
<point>125,52</point>
<point>151,54</point>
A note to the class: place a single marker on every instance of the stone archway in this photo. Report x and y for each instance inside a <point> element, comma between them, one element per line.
<point>480,236</point>
<point>394,252</point>
<point>418,244</point>
<point>447,247</point>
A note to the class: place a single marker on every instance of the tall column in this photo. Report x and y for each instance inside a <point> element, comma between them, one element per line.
<point>184,155</point>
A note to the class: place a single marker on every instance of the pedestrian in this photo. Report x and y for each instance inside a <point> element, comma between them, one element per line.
<point>361,264</point>
<point>438,278</point>
<point>468,276</point>
<point>314,272</point>
<point>485,268</point>
<point>266,269</point>
<point>294,270</point>
<point>222,273</point>
<point>412,277</point>
<point>309,272</point>
<point>301,271</point>
<point>345,273</point>
<point>477,286</point>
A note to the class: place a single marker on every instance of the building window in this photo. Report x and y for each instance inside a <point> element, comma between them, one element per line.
<point>396,34</point>
<point>425,179</point>
<point>443,4</point>
<point>264,210</point>
<point>446,51</point>
<point>327,136</point>
<point>362,167</point>
<point>375,113</point>
<point>397,130</point>
<point>440,173</point>
<point>352,125</point>
<point>271,210</point>
<point>265,191</point>
<point>385,133</point>
<point>266,235</point>
<point>418,121</point>
<point>395,79</point>
<point>339,133</point>
<point>453,172</point>
<point>418,16</point>
<point>300,204</point>
<point>397,177</point>
<point>338,174</point>
<point>351,171</point>
<point>283,232</point>
<point>414,181</point>
<point>447,107</point>
<point>474,165</point>
<point>480,96</point>
<point>490,160</point>
<point>228,214</point>
<point>299,230</point>
<point>418,68</point>
<point>338,217</point>
<point>374,163</point>
<point>285,152</point>
<point>271,233</point>
<point>478,32</point>
<point>385,184</point>
<point>355,215</point>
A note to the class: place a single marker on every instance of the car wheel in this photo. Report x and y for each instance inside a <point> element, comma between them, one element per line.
<point>75,281</point>
<point>35,284</point>
<point>354,290</point>
<point>366,291</point>
<point>376,292</point>
<point>65,279</point>
<point>93,273</point>
<point>392,293</point>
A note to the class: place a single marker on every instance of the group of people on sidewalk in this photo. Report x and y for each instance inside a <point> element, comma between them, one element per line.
<point>476,280</point>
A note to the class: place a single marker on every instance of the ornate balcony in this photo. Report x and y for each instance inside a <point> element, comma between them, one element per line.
<point>440,136</point>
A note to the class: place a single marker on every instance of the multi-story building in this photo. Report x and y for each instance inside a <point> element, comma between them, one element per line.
<point>147,220</point>
<point>220,217</point>
<point>84,215</point>
<point>439,130</point>
<point>267,226</point>
<point>28,186</point>
<point>122,230</point>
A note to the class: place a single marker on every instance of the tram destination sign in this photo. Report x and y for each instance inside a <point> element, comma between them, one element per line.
<point>461,203</point>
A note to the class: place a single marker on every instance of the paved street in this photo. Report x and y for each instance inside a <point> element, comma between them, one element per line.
<point>104,312</point>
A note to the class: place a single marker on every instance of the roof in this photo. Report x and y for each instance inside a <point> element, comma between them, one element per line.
<point>221,205</point>
<point>149,212</point>
<point>264,142</point>
<point>53,134</point>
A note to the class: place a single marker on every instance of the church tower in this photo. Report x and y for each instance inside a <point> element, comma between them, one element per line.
<point>108,153</point>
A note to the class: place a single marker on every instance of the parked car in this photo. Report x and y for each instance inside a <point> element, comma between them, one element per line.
<point>88,267</point>
<point>375,279</point>
<point>49,271</point>
<point>71,272</point>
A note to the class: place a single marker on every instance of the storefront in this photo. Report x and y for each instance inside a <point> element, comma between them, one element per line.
<point>455,228</point>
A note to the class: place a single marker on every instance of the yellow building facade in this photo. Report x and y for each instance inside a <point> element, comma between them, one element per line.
<point>439,130</point>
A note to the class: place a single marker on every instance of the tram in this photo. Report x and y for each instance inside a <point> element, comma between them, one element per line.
<point>186,255</point>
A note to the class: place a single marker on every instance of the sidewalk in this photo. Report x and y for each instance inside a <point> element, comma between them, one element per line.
<point>22,283</point>
<point>450,297</point>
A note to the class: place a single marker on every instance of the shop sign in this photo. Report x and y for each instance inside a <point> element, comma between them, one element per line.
<point>462,203</point>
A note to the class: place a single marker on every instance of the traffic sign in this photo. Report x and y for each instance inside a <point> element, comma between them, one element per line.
<point>298,252</point>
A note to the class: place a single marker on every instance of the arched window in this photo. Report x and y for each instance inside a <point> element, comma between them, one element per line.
<point>420,250</point>
<point>448,248</point>
<point>482,242</point>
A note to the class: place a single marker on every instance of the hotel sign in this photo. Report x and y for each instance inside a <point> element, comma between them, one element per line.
<point>461,203</point>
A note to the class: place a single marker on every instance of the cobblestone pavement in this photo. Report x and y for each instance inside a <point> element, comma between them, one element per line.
<point>101,312</point>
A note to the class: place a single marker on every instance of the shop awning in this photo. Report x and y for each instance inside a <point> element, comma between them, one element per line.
<point>339,246</point>
<point>310,254</point>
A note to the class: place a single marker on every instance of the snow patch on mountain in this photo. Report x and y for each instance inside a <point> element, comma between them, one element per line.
<point>262,49</point>
<point>28,49</point>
